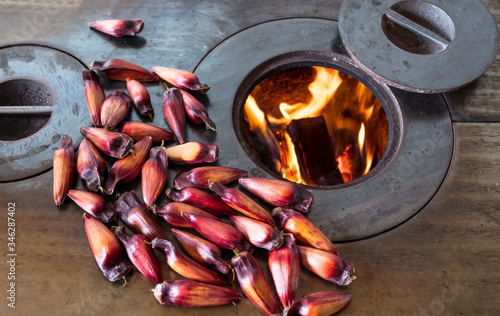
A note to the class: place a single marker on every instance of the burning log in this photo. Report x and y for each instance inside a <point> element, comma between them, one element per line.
<point>314,151</point>
<point>310,113</point>
<point>347,154</point>
<point>379,125</point>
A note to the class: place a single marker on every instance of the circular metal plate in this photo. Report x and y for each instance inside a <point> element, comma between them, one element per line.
<point>62,101</point>
<point>423,46</point>
<point>420,138</point>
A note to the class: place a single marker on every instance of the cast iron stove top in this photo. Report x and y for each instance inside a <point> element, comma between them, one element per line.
<point>49,43</point>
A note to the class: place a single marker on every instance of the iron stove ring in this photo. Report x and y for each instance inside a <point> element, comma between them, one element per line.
<point>419,149</point>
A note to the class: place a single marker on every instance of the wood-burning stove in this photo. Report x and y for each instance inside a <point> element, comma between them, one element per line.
<point>441,156</point>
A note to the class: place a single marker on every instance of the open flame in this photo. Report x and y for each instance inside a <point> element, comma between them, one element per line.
<point>323,140</point>
<point>322,89</point>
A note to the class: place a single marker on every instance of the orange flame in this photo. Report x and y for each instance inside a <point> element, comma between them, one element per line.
<point>344,115</point>
<point>322,89</point>
<point>256,119</point>
<point>291,170</point>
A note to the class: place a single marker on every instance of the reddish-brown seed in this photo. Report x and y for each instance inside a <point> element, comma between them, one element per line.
<point>154,174</point>
<point>279,193</point>
<point>254,284</point>
<point>305,231</point>
<point>173,110</point>
<point>181,78</point>
<point>284,264</point>
<point>126,169</point>
<point>114,109</point>
<point>218,232</point>
<point>94,204</point>
<point>139,130</point>
<point>201,199</point>
<point>141,254</point>
<point>117,69</point>
<point>133,212</point>
<point>200,177</point>
<point>114,144</point>
<point>192,153</point>
<point>172,213</point>
<point>184,265</point>
<point>320,304</point>
<point>202,250</point>
<point>64,163</point>
<point>188,293</point>
<point>141,98</point>
<point>107,250</point>
<point>327,265</point>
<point>258,233</point>
<point>241,203</point>
<point>94,94</point>
<point>196,111</point>
<point>119,28</point>
<point>91,166</point>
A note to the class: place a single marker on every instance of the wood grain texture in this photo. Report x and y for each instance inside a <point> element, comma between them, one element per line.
<point>443,261</point>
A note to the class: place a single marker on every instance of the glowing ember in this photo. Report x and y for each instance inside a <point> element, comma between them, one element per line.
<point>329,134</point>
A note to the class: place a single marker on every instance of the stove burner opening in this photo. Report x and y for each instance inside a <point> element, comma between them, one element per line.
<point>25,108</point>
<point>314,125</point>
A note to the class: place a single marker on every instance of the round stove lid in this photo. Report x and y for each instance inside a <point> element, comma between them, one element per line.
<point>423,46</point>
<point>41,100</point>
